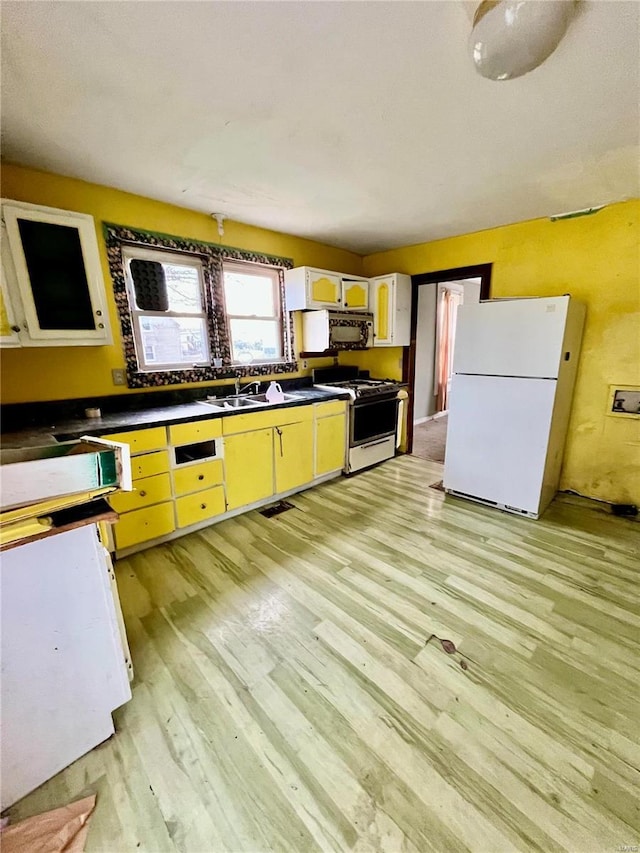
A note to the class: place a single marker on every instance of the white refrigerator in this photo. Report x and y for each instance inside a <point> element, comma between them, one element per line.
<point>514,368</point>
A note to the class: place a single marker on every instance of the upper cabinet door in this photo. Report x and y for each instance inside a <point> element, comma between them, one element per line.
<point>383,293</point>
<point>308,288</point>
<point>355,294</point>
<point>323,289</point>
<point>55,273</point>
<point>391,295</point>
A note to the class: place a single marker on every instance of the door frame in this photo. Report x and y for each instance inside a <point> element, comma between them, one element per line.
<point>481,271</point>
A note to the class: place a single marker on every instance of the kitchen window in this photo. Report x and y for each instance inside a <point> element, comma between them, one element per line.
<point>254,312</point>
<point>167,300</point>
<point>192,311</point>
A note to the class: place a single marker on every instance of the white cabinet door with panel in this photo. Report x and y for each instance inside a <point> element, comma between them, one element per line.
<point>54,276</point>
<point>308,288</point>
<point>355,293</point>
<point>391,296</point>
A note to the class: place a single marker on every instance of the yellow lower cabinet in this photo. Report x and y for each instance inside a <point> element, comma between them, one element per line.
<point>141,525</point>
<point>330,444</point>
<point>150,490</point>
<point>293,452</point>
<point>193,478</point>
<point>248,462</point>
<point>199,507</point>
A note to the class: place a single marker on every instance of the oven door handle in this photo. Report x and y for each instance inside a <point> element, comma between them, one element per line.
<point>380,399</point>
<point>381,441</point>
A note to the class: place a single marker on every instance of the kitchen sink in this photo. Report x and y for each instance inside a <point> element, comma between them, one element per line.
<point>227,403</point>
<point>288,398</point>
<point>245,402</point>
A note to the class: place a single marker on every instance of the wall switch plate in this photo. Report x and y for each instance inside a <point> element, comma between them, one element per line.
<point>624,400</point>
<point>119,376</point>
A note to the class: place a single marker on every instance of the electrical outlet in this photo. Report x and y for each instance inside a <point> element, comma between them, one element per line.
<point>119,376</point>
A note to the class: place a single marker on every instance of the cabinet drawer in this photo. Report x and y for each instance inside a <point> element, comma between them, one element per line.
<point>265,419</point>
<point>151,490</point>
<point>144,524</point>
<point>150,464</point>
<point>194,432</point>
<point>141,440</point>
<point>193,478</point>
<point>194,508</point>
<point>332,407</point>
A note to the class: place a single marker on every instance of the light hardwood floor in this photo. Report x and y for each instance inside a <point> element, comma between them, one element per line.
<point>288,697</point>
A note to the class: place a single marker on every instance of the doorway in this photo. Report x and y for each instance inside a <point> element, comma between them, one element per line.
<point>429,360</point>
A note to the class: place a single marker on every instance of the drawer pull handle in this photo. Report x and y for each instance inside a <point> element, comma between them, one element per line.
<point>203,506</point>
<point>201,476</point>
<point>143,494</point>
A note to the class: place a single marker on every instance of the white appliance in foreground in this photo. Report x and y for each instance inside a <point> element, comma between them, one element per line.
<point>514,368</point>
<point>65,661</point>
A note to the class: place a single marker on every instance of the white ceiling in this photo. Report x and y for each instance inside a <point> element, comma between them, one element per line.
<point>360,124</point>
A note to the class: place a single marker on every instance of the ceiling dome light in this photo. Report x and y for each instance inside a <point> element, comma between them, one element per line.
<point>512,37</point>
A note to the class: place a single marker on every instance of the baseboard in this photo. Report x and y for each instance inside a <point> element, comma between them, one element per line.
<point>430,418</point>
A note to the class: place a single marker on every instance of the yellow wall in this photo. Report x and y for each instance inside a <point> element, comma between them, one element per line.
<point>56,373</point>
<point>382,363</point>
<point>597,260</point>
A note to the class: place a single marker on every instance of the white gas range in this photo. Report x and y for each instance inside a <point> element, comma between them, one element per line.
<point>373,414</point>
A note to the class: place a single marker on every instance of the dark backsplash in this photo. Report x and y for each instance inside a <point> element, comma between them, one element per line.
<point>17,416</point>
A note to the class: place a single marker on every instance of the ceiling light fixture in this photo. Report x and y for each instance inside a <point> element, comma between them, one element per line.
<point>509,38</point>
<point>219,218</point>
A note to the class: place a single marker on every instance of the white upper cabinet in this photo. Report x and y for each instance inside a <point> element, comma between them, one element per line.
<point>308,288</point>
<point>53,277</point>
<point>391,297</point>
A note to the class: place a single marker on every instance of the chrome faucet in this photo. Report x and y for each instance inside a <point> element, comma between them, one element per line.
<point>239,389</point>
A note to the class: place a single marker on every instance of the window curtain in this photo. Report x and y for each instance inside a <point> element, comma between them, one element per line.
<point>444,344</point>
<point>447,311</point>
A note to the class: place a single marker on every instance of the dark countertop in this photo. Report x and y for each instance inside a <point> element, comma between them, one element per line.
<point>68,430</point>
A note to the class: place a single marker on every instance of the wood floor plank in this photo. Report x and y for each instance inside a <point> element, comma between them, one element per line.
<point>292,692</point>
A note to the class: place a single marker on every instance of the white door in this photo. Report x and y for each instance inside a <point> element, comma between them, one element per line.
<point>518,337</point>
<point>497,438</point>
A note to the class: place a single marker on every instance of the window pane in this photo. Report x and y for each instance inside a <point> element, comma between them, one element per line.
<point>183,288</point>
<point>257,340</point>
<point>149,285</point>
<point>173,340</point>
<point>249,294</point>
